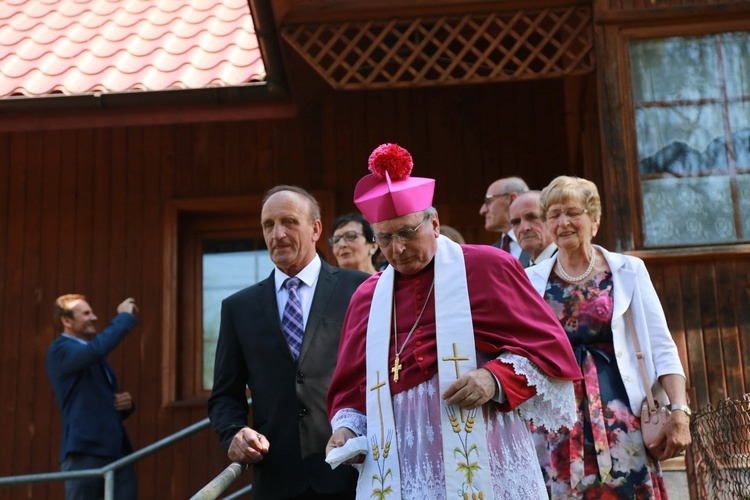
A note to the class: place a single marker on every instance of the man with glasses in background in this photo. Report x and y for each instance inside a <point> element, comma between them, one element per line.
<point>495,211</point>
<point>442,357</point>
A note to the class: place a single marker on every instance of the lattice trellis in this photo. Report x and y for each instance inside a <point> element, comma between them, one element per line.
<point>448,50</point>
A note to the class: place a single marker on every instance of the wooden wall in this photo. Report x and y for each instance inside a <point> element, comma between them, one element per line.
<point>82,211</point>
<point>706,300</point>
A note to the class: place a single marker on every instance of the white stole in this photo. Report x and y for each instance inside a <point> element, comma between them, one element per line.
<point>466,462</point>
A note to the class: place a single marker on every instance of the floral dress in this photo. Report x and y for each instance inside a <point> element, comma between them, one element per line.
<point>603,455</point>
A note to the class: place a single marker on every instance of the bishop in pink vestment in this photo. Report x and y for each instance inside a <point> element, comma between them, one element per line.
<point>517,338</point>
<point>524,361</point>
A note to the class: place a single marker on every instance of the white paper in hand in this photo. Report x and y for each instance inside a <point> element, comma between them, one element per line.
<point>352,448</point>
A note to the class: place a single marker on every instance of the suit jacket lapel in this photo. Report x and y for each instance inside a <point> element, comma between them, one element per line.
<point>109,375</point>
<point>271,310</point>
<point>323,290</point>
<point>525,259</point>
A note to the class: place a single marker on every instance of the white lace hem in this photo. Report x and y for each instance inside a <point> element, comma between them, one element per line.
<point>554,404</point>
<point>351,419</point>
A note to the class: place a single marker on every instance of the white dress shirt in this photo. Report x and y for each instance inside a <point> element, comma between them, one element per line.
<point>515,248</point>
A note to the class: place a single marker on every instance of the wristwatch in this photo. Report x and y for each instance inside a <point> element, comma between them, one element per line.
<point>683,408</point>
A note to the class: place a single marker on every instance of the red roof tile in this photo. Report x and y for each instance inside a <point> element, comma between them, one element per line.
<point>82,46</point>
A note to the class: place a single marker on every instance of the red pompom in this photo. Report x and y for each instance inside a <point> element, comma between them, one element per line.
<point>390,158</point>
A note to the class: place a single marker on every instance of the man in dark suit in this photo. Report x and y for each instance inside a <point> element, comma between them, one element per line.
<point>86,390</point>
<point>287,370</point>
<point>500,195</point>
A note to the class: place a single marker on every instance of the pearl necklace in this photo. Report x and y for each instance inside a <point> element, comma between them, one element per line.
<point>583,276</point>
<point>397,362</point>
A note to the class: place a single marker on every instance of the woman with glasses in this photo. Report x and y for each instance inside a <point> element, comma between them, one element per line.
<point>600,297</point>
<point>353,243</point>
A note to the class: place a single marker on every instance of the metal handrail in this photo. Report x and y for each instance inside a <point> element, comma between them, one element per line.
<point>108,471</point>
<point>221,482</point>
<point>239,493</point>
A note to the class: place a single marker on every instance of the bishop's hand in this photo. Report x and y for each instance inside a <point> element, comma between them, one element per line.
<point>471,390</point>
<point>338,439</point>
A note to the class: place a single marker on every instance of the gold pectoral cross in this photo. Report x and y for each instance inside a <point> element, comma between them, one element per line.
<point>396,368</point>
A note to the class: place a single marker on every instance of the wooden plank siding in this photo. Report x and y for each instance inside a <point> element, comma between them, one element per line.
<point>706,303</point>
<point>82,211</point>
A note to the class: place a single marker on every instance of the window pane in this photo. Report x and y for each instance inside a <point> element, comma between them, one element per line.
<point>737,62</point>
<point>228,266</point>
<point>739,120</point>
<point>691,95</point>
<point>680,139</point>
<point>743,182</point>
<point>673,69</point>
<point>689,211</point>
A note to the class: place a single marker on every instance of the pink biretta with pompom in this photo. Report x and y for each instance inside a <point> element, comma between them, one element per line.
<point>389,191</point>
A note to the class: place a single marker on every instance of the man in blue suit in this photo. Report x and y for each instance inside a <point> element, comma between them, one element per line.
<point>86,390</point>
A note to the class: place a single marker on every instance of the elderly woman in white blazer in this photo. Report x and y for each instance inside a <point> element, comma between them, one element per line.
<point>595,294</point>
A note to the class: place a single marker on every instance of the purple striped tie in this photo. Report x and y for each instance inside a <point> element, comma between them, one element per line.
<point>291,321</point>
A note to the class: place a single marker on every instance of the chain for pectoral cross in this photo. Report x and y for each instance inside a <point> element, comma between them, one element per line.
<point>397,362</point>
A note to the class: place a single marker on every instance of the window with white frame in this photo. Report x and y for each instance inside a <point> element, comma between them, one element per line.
<point>692,119</point>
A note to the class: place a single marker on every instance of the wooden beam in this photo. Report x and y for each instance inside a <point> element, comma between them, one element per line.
<point>60,119</point>
<point>302,11</point>
<point>662,16</point>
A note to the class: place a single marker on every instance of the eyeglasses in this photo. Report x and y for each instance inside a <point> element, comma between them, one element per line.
<point>488,198</point>
<point>403,235</point>
<point>348,236</point>
<point>570,214</point>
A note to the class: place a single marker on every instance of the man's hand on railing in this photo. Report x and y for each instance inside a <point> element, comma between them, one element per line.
<point>248,446</point>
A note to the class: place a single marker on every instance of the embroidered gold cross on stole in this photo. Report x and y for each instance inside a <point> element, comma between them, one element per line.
<point>456,358</point>
<point>376,387</point>
<point>380,452</point>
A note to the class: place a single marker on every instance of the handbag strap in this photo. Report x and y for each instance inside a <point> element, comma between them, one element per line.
<point>641,364</point>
